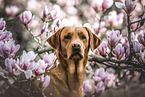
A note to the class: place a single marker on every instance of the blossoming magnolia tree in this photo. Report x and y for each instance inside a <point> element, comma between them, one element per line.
<point>119,58</point>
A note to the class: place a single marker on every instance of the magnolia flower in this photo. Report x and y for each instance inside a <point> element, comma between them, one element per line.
<point>9,63</point>
<point>110,70</point>
<point>41,68</point>
<point>5,35</point>
<point>99,75</point>
<point>102,48</point>
<point>87,87</point>
<point>99,28</point>
<point>115,20</point>
<point>97,5</point>
<point>100,87</point>
<point>12,10</point>
<point>119,51</point>
<point>8,49</point>
<point>114,38</point>
<point>45,12</point>
<point>137,46</point>
<point>50,59</point>
<point>2,24</point>
<point>45,80</point>
<point>26,17</point>
<point>100,5</point>
<point>107,4</point>
<point>28,57</point>
<point>110,80</point>
<point>11,66</point>
<point>129,6</point>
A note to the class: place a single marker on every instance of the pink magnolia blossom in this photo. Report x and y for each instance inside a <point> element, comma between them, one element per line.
<point>137,46</point>
<point>102,48</point>
<point>5,35</point>
<point>115,20</point>
<point>129,6</point>
<point>100,87</point>
<point>12,10</point>
<point>45,80</point>
<point>114,38</point>
<point>11,66</point>
<point>99,75</point>
<point>26,17</point>
<point>50,59</point>
<point>107,4</point>
<point>99,28</point>
<point>9,63</point>
<point>100,5</point>
<point>41,68</point>
<point>87,87</point>
<point>2,24</point>
<point>97,5</point>
<point>8,49</point>
<point>110,80</point>
<point>28,57</point>
<point>119,51</point>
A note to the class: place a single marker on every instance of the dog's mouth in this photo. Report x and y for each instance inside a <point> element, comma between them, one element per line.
<point>76,55</point>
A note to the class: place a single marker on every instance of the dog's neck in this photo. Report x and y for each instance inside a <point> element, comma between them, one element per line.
<point>74,72</point>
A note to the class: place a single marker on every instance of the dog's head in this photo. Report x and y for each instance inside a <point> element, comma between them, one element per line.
<point>74,42</point>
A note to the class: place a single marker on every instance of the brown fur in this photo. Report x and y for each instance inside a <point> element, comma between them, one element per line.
<point>67,78</point>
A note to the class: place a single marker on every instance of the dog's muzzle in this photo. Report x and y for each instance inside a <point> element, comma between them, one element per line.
<point>76,51</point>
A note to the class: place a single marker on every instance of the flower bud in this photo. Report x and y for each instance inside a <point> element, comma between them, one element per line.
<point>45,12</point>
<point>2,24</point>
<point>107,4</point>
<point>119,51</point>
<point>44,28</point>
<point>114,38</point>
<point>87,87</point>
<point>53,14</point>
<point>26,17</point>
<point>130,6</point>
<point>97,5</point>
<point>102,48</point>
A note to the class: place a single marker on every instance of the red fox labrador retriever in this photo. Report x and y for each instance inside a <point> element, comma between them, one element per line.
<point>72,46</point>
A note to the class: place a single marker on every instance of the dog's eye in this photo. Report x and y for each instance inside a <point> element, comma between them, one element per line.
<point>67,37</point>
<point>83,37</point>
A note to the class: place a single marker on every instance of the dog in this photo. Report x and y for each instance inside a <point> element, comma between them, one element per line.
<point>72,46</point>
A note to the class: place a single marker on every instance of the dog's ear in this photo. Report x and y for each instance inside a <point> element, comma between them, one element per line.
<point>94,40</point>
<point>54,40</point>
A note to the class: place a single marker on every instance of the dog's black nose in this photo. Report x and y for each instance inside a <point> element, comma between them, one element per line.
<point>76,46</point>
